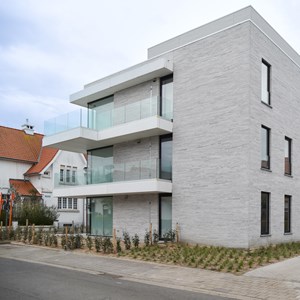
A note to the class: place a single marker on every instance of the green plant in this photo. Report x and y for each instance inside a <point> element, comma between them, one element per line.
<point>36,212</point>
<point>107,245</point>
<point>89,243</point>
<point>63,242</point>
<point>127,241</point>
<point>136,241</point>
<point>25,234</point>
<point>147,238</point>
<point>78,241</point>
<point>155,237</point>
<point>98,243</point>
<point>119,249</point>
<point>46,239</point>
<point>169,236</point>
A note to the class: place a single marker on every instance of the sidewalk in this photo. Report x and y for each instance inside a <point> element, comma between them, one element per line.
<point>244,287</point>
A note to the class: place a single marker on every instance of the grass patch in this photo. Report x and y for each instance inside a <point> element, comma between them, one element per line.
<point>221,259</point>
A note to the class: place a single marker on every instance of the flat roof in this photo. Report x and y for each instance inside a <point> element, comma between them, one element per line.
<point>243,15</point>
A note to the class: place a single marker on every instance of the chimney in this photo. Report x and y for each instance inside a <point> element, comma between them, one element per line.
<point>28,128</point>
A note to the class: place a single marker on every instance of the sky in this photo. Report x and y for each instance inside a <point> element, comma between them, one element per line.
<point>49,49</point>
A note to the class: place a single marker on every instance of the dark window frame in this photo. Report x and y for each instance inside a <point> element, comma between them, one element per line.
<point>167,137</point>
<point>265,224</point>
<point>287,214</point>
<point>263,61</point>
<point>166,79</point>
<point>268,141</point>
<point>288,168</point>
<point>159,212</point>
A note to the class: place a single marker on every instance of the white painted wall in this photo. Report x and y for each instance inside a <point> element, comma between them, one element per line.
<point>11,169</point>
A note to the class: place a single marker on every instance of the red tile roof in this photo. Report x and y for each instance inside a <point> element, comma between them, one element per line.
<point>17,145</point>
<point>46,157</point>
<point>24,187</point>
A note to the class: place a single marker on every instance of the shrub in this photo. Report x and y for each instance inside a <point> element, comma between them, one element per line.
<point>36,213</point>
<point>89,242</point>
<point>98,243</point>
<point>127,240</point>
<point>147,238</point>
<point>155,237</point>
<point>136,240</point>
<point>107,245</point>
<point>119,249</point>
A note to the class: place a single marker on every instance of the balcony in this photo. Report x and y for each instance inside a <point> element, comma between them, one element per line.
<point>86,129</point>
<point>113,179</point>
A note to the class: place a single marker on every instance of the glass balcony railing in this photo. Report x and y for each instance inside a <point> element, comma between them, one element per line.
<point>65,122</point>
<point>101,118</point>
<point>138,170</point>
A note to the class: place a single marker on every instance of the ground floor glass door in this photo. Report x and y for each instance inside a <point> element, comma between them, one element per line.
<point>101,216</point>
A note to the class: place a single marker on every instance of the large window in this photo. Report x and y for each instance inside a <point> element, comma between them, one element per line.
<point>101,216</point>
<point>265,147</point>
<point>67,203</point>
<point>165,215</point>
<point>100,113</point>
<point>287,156</point>
<point>166,157</point>
<point>166,95</point>
<point>265,213</point>
<point>265,82</point>
<point>287,214</point>
<point>67,175</point>
<point>100,165</point>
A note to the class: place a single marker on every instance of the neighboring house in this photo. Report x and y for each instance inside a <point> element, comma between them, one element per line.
<point>29,169</point>
<point>204,135</point>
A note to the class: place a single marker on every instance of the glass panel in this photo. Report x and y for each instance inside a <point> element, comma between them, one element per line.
<point>100,113</point>
<point>265,83</point>
<point>167,98</point>
<point>166,158</point>
<point>264,213</point>
<point>165,215</point>
<point>70,203</point>
<point>75,203</point>
<point>64,203</point>
<point>101,216</point>
<point>61,175</point>
<point>100,165</point>
<point>287,156</point>
<point>265,158</point>
<point>287,214</point>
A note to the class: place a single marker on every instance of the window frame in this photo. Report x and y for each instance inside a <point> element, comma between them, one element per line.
<point>289,143</point>
<point>165,138</point>
<point>164,80</point>
<point>64,206</point>
<point>267,219</point>
<point>287,214</point>
<point>268,142</point>
<point>59,203</point>
<point>268,83</point>
<point>160,213</point>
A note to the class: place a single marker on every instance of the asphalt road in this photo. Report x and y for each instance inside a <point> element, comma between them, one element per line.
<point>29,281</point>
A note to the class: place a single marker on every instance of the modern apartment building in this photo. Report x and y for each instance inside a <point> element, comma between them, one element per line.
<point>203,134</point>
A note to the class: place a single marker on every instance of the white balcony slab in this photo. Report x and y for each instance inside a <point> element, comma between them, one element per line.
<point>82,139</point>
<point>115,188</point>
<point>132,76</point>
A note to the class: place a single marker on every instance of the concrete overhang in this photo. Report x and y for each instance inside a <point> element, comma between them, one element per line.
<point>137,74</point>
<point>115,188</point>
<point>82,139</point>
